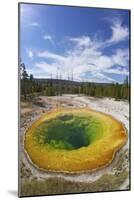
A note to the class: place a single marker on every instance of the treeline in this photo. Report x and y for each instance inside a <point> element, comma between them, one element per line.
<point>30,87</point>
<point>113,90</point>
<point>27,84</point>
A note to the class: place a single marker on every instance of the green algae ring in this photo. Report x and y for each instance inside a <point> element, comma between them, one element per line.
<point>74,140</point>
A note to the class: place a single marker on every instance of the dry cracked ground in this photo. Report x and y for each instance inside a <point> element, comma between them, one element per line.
<point>113,177</point>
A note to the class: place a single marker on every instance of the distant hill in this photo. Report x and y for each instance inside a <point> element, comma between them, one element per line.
<point>64,82</point>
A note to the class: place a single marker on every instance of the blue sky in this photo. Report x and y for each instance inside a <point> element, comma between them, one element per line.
<point>90,43</point>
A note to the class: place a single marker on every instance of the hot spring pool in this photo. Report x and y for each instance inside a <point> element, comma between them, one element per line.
<point>73,140</point>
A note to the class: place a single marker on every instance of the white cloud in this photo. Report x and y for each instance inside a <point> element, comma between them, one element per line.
<point>45,67</point>
<point>50,55</point>
<point>121,57</point>
<point>49,38</point>
<point>119,32</point>
<point>119,71</point>
<point>83,61</point>
<point>86,60</point>
<point>83,41</point>
<point>99,77</point>
<point>30,53</point>
<point>34,24</point>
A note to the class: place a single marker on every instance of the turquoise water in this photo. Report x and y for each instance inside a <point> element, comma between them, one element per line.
<point>69,132</point>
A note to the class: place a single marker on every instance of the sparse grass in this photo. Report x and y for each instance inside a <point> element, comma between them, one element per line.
<point>54,185</point>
